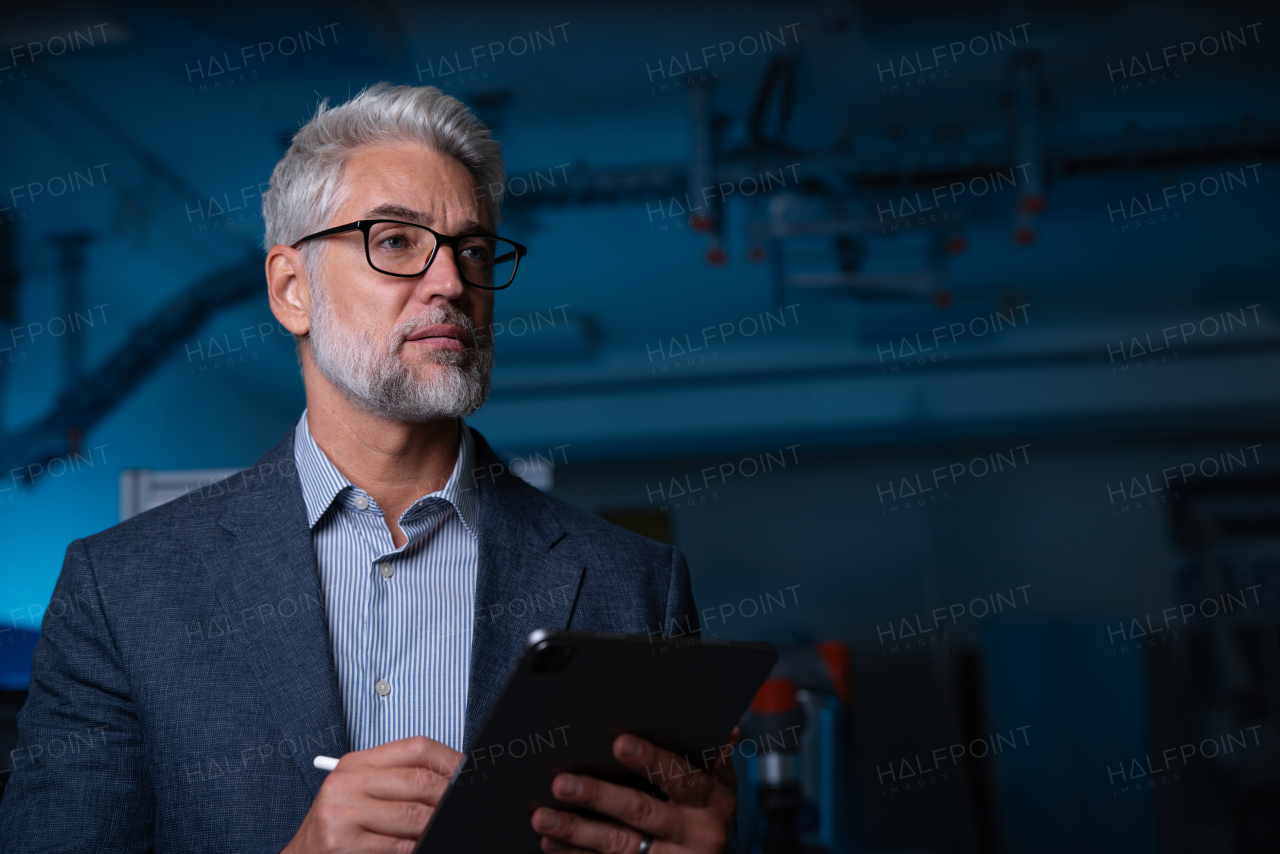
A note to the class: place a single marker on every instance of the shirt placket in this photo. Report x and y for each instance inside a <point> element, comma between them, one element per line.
<point>393,687</point>
<point>417,523</point>
<point>379,677</point>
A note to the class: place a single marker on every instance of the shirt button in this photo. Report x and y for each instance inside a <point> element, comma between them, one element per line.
<point>383,687</point>
<point>362,503</point>
<point>385,569</point>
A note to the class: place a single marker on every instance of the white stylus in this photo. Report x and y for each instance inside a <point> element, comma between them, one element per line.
<point>325,763</point>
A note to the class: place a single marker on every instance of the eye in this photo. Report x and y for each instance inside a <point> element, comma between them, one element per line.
<point>478,252</point>
<point>395,241</point>
<point>392,238</point>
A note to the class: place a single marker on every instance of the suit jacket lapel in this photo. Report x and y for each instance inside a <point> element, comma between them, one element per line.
<point>521,583</point>
<point>265,565</point>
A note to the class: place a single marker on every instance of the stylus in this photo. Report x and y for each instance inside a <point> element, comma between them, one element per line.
<point>325,763</point>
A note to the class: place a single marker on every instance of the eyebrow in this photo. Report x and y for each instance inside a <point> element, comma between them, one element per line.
<point>400,212</point>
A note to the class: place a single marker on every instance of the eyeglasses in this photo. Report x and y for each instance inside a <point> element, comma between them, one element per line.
<point>406,249</point>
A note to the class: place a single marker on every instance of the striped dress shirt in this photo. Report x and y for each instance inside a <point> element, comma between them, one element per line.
<point>399,618</point>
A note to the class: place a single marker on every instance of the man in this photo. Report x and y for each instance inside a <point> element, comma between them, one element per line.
<point>353,593</point>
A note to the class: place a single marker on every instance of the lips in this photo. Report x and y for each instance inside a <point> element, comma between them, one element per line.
<point>439,331</point>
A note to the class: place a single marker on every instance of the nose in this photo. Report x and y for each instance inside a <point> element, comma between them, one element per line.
<point>443,277</point>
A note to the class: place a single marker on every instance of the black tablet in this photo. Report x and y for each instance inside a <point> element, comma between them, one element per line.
<point>568,697</point>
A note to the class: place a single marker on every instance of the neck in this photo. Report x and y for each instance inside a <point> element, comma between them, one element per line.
<point>395,462</point>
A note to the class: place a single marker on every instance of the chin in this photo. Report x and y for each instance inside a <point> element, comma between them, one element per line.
<point>438,358</point>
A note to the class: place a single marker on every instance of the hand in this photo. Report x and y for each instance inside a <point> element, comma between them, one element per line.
<point>696,820</point>
<point>377,800</point>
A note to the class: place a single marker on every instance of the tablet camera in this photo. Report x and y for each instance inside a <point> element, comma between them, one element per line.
<point>551,658</point>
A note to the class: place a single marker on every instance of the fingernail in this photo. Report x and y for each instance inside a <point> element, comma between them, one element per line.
<point>545,820</point>
<point>568,786</point>
<point>629,747</point>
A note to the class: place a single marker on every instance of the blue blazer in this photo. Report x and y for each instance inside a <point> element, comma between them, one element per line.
<point>184,678</point>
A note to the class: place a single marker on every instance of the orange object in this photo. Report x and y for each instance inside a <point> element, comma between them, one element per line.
<point>840,665</point>
<point>775,696</point>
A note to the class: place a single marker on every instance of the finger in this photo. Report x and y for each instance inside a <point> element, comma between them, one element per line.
<point>414,751</point>
<point>552,846</point>
<point>680,778</point>
<point>396,819</point>
<point>403,784</point>
<point>349,813</point>
<point>628,806</point>
<point>574,831</point>
<point>358,839</point>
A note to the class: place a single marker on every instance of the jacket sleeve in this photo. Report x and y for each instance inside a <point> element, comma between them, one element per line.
<point>79,778</point>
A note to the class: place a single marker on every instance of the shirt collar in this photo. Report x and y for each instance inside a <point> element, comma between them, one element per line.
<point>322,483</point>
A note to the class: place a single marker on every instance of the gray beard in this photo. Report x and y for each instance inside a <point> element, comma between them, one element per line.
<point>373,375</point>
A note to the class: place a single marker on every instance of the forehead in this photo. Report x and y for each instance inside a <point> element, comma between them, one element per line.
<point>410,176</point>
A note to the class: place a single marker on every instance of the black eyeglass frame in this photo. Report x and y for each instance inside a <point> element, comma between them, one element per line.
<point>363,225</point>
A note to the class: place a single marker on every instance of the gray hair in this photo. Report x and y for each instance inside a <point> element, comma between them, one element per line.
<point>306,185</point>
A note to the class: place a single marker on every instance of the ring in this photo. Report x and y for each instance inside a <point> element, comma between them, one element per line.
<point>646,842</point>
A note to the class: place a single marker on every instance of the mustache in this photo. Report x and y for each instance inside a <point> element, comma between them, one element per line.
<point>442,315</point>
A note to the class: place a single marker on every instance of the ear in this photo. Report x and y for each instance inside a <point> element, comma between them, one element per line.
<point>288,290</point>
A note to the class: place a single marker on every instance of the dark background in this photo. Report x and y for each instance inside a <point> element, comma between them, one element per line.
<point>1077,224</point>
